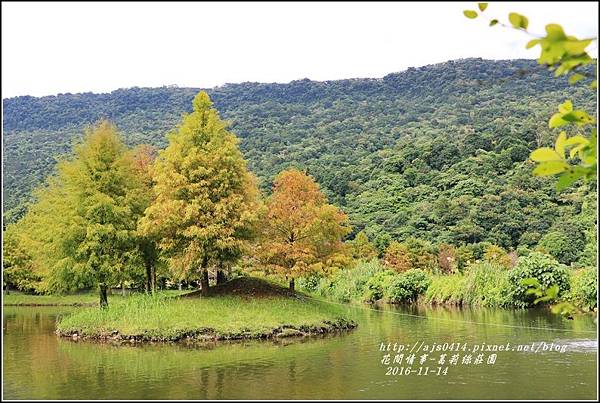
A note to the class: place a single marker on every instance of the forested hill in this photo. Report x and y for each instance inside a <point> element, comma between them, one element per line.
<point>437,152</point>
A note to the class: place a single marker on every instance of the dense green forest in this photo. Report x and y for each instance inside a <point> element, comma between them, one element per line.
<point>437,153</point>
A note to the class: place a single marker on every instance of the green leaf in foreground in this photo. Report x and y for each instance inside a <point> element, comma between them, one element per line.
<point>554,33</point>
<point>518,21</point>
<point>470,14</point>
<point>566,106</point>
<point>578,117</point>
<point>567,115</point>
<point>545,154</point>
<point>579,142</point>
<point>550,168</point>
<point>569,177</point>
<point>559,146</point>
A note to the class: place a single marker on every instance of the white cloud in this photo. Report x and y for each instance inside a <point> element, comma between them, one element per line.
<point>50,48</point>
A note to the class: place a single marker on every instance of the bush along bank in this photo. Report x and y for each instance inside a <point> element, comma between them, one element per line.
<point>486,284</point>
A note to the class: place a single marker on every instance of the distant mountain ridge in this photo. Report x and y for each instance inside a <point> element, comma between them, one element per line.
<point>384,149</point>
<point>74,109</point>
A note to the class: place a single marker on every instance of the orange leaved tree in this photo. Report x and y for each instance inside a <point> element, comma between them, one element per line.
<point>300,230</point>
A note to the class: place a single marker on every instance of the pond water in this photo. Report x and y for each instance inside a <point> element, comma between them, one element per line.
<point>39,365</point>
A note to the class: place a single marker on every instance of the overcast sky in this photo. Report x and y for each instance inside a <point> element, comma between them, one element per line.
<point>50,48</point>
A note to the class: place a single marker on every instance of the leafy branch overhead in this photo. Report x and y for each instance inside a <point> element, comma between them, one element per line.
<point>565,55</point>
<point>581,151</point>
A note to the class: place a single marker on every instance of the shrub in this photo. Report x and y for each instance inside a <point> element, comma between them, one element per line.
<point>376,286</point>
<point>406,287</point>
<point>447,259</point>
<point>382,239</point>
<point>523,251</point>
<point>529,238</point>
<point>584,286</point>
<point>496,255</point>
<point>396,288</point>
<point>588,256</point>
<point>479,249</point>
<point>546,270</point>
<point>397,256</point>
<point>309,283</point>
<point>464,257</point>
<point>423,254</point>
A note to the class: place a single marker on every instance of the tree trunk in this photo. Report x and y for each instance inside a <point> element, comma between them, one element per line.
<point>204,282</point>
<point>123,288</point>
<point>153,269</point>
<point>221,276</point>
<point>103,295</point>
<point>292,284</point>
<point>148,277</point>
<point>6,289</point>
<point>180,286</point>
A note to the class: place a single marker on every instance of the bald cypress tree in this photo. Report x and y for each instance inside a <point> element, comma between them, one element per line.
<point>205,198</point>
<point>300,230</point>
<point>82,229</point>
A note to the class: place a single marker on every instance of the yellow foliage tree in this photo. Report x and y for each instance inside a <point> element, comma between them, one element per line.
<point>497,255</point>
<point>81,231</point>
<point>205,198</point>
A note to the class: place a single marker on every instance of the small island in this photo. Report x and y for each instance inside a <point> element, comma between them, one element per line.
<point>242,308</point>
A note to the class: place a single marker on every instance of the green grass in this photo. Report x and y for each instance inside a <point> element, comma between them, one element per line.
<point>162,318</point>
<point>482,284</point>
<point>446,289</point>
<point>346,286</point>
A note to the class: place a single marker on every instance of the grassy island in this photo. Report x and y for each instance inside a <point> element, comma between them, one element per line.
<point>243,308</point>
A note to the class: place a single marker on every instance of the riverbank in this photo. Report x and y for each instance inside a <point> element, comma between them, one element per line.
<point>80,299</point>
<point>256,314</point>
<point>481,284</point>
<point>19,299</point>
